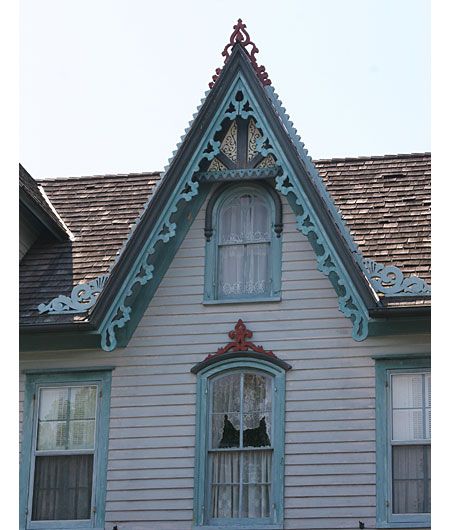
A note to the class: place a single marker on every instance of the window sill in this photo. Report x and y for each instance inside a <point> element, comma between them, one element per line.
<point>242,301</point>
<point>257,526</point>
<point>405,524</point>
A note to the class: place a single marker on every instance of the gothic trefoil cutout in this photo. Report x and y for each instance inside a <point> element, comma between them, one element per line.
<point>240,35</point>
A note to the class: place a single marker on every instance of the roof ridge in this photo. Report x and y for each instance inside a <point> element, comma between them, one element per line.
<point>108,175</point>
<point>373,157</point>
<point>315,161</point>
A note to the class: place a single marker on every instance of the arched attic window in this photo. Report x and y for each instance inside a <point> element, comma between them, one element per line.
<point>243,248</point>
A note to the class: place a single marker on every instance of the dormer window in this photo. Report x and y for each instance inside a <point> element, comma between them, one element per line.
<point>243,254</point>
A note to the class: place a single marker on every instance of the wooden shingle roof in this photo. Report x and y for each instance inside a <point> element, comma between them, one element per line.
<point>385,202</point>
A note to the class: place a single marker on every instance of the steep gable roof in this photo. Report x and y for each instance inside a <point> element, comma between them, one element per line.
<point>99,211</point>
<point>39,207</point>
<point>241,89</point>
<point>386,203</point>
<point>393,228</point>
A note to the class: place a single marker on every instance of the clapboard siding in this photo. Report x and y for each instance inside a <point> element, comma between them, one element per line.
<point>330,394</point>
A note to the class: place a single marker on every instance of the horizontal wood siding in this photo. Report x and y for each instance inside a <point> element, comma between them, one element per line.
<point>330,391</point>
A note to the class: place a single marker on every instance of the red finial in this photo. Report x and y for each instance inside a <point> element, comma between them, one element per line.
<point>239,343</point>
<point>240,35</point>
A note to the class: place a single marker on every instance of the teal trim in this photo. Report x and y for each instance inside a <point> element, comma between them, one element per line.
<point>162,259</point>
<point>399,326</point>
<point>201,492</point>
<point>242,300</point>
<point>33,382</point>
<point>288,183</point>
<point>67,370</point>
<point>50,341</point>
<point>211,250</point>
<point>383,369</point>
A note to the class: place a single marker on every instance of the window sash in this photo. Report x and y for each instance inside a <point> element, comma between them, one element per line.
<point>401,518</point>
<point>39,524</point>
<point>239,451</point>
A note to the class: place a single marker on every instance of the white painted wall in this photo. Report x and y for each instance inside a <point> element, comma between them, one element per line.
<point>330,405</point>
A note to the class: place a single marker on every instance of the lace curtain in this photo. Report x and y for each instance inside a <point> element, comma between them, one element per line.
<point>244,247</point>
<point>241,417</point>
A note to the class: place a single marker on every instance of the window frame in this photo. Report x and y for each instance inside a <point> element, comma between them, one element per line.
<point>35,380</point>
<point>225,194</point>
<point>201,482</point>
<point>384,370</point>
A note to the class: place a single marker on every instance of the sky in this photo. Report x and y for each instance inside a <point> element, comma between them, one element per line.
<point>108,86</point>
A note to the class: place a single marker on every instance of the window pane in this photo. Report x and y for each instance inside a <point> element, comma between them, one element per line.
<point>225,430</point>
<point>66,418</point>
<point>257,393</point>
<point>256,500</point>
<point>409,412</point>
<point>245,219</point>
<point>257,221</point>
<point>407,391</point>
<point>225,475</point>
<point>257,429</point>
<point>257,279</point>
<point>226,393</point>
<point>257,477</point>
<point>82,402</point>
<point>231,270</point>
<point>407,425</point>
<point>53,411</point>
<point>411,479</point>
<point>62,487</point>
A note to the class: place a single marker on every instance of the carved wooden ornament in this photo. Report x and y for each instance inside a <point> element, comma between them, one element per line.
<point>240,35</point>
<point>239,343</point>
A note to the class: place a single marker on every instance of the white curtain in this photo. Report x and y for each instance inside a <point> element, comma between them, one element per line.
<point>244,247</point>
<point>241,480</point>
<point>255,487</point>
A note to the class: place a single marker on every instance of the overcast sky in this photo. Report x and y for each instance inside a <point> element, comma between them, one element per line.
<point>108,86</point>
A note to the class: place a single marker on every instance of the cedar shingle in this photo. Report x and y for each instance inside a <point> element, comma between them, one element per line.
<point>385,202</point>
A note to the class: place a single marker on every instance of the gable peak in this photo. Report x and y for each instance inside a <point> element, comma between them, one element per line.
<point>240,36</point>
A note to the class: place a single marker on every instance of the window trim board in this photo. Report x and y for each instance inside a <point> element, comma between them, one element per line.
<point>383,370</point>
<point>33,382</point>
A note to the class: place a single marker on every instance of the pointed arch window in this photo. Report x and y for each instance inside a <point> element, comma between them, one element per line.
<point>243,249</point>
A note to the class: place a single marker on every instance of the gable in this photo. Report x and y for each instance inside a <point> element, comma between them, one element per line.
<point>237,94</point>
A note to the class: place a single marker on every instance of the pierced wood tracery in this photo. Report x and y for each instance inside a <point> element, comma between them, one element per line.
<point>239,149</point>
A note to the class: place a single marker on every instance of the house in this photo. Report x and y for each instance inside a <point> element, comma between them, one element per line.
<point>241,341</point>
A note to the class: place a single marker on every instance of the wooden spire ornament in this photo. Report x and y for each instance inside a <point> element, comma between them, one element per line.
<point>240,36</point>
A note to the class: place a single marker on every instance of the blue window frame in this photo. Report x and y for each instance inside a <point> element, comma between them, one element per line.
<point>64,449</point>
<point>403,407</point>
<point>243,244</point>
<point>239,469</point>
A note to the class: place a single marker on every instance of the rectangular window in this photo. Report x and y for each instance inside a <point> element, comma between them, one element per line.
<point>64,453</point>
<point>66,432</point>
<point>410,442</point>
<point>403,443</point>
